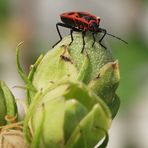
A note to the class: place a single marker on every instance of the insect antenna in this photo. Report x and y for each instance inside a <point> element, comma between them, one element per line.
<point>117,38</point>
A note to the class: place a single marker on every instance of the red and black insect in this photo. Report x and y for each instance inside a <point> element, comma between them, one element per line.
<point>82,22</point>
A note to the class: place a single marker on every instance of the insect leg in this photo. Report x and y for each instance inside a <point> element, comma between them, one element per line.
<point>93,34</point>
<point>105,32</point>
<point>83,35</point>
<point>57,27</point>
<point>66,26</point>
<point>71,33</point>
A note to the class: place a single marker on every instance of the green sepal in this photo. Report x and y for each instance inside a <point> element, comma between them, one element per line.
<point>29,114</point>
<point>63,101</point>
<point>33,68</point>
<point>8,105</point>
<point>50,132</point>
<point>3,108</point>
<point>106,83</point>
<point>90,130</point>
<point>55,66</point>
<point>114,105</point>
<point>35,143</point>
<point>21,72</point>
<point>74,112</point>
<point>105,141</point>
<point>84,69</point>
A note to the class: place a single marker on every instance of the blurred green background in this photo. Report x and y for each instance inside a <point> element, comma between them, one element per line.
<point>34,22</point>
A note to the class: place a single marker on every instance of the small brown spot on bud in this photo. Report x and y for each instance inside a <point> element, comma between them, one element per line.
<point>66,59</point>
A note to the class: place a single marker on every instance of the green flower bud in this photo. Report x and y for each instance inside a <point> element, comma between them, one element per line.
<point>7,104</point>
<point>95,67</point>
<point>66,115</point>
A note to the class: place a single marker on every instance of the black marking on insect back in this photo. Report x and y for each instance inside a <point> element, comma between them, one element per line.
<point>68,21</point>
<point>88,18</point>
<point>71,13</point>
<point>81,14</point>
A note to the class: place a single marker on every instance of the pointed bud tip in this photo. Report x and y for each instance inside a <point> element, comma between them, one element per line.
<point>115,64</point>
